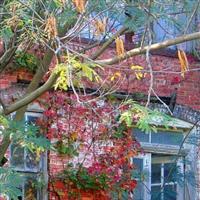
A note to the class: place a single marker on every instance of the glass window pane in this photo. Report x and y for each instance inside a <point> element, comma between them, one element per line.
<point>31,160</point>
<point>138,193</point>
<point>30,191</point>
<point>156,193</point>
<point>139,173</point>
<point>156,173</point>
<point>32,119</point>
<point>19,197</point>
<point>17,156</point>
<point>170,192</point>
<point>140,136</point>
<point>170,172</point>
<point>138,162</point>
<point>171,138</point>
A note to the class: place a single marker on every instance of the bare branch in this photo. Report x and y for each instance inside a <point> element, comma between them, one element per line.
<point>160,45</point>
<point>196,7</point>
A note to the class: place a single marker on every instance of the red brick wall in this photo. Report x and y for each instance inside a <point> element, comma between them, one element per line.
<point>187,88</point>
<point>10,77</point>
<point>165,84</point>
<point>167,77</point>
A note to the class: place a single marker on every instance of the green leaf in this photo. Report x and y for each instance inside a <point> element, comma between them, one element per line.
<point>8,187</point>
<point>6,34</point>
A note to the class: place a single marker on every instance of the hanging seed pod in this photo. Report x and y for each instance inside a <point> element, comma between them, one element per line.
<point>80,5</point>
<point>100,27</point>
<point>183,62</point>
<point>119,46</point>
<point>51,28</point>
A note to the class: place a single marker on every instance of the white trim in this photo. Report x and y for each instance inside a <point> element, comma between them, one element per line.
<point>163,149</point>
<point>147,168</point>
<point>174,123</point>
<point>147,162</point>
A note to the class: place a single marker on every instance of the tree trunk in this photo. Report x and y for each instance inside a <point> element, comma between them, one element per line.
<point>42,69</point>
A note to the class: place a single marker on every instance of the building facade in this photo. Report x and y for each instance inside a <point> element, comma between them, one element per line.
<point>168,149</point>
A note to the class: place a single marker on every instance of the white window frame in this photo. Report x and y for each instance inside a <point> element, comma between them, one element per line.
<point>179,164</point>
<point>165,149</point>
<point>25,168</point>
<point>147,161</point>
<point>146,167</point>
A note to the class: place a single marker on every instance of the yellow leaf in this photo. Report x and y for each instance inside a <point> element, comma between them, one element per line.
<point>115,75</point>
<point>88,72</point>
<point>62,81</point>
<point>112,78</point>
<point>137,67</point>
<point>74,136</point>
<point>139,75</point>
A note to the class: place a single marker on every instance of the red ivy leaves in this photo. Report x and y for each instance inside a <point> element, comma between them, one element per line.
<point>95,126</point>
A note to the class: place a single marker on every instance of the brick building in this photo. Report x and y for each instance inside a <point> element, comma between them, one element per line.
<point>180,94</point>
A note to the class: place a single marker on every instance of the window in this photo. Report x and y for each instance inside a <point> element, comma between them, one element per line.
<point>31,169</point>
<point>161,172</point>
<point>173,25</point>
<point>163,178</point>
<point>27,161</point>
<point>161,137</point>
<point>157,177</point>
<point>28,189</point>
<point>142,175</point>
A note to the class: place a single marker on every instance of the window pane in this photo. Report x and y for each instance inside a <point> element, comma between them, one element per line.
<point>170,172</point>
<point>138,162</point>
<point>32,119</point>
<point>30,192</point>
<point>140,136</point>
<point>155,193</point>
<point>138,193</point>
<point>156,173</point>
<point>19,197</point>
<point>17,156</point>
<point>170,138</point>
<point>31,160</point>
<point>170,192</point>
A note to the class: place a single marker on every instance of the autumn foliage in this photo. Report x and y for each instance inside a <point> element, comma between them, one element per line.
<point>98,148</point>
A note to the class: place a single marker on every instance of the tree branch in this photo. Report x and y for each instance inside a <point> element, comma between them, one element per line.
<point>138,51</point>
<point>32,92</point>
<point>4,146</point>
<point>5,58</point>
<point>2,104</point>
<point>107,43</point>
<point>32,96</point>
<point>196,7</point>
